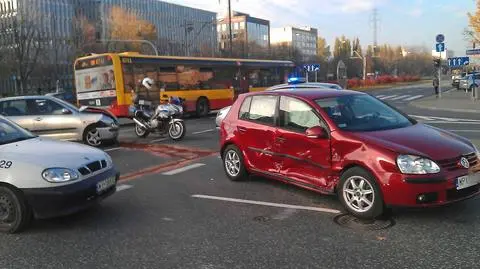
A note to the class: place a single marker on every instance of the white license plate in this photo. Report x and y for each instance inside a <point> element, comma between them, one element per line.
<point>105,184</point>
<point>467,181</point>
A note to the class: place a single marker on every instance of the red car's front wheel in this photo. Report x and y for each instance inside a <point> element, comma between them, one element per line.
<point>359,193</point>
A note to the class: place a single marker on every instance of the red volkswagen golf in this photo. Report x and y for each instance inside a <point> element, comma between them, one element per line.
<point>350,144</point>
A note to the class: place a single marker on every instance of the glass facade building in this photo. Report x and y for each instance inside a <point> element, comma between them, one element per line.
<point>50,22</point>
<point>180,30</point>
<point>251,36</point>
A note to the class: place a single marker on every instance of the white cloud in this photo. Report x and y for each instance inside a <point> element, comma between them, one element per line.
<point>285,12</point>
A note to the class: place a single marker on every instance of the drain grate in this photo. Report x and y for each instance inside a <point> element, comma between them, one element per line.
<point>351,222</point>
<point>261,218</point>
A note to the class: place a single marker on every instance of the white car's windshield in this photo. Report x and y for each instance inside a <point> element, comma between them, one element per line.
<point>362,113</point>
<point>10,133</point>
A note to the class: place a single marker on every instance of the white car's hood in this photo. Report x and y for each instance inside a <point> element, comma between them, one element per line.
<point>51,153</point>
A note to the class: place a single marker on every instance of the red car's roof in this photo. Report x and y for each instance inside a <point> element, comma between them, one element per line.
<point>311,93</point>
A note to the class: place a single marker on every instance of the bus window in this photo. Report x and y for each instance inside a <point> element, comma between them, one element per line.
<point>167,79</point>
<point>265,77</point>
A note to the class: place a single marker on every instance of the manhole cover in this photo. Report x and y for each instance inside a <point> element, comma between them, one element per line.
<point>261,218</point>
<point>351,222</point>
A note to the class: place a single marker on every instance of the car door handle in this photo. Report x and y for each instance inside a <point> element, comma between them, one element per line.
<point>241,129</point>
<point>38,119</point>
<point>280,139</point>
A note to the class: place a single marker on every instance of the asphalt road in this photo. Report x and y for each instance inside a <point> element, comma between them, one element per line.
<point>177,209</point>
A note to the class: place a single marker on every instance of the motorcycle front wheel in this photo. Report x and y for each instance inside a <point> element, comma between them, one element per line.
<point>177,130</point>
<point>140,131</point>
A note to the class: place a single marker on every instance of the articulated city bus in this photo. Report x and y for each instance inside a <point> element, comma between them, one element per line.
<point>107,80</point>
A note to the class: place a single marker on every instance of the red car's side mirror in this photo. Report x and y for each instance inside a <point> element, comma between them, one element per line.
<point>316,132</point>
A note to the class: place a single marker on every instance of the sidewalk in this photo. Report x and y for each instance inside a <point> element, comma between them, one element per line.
<point>453,100</point>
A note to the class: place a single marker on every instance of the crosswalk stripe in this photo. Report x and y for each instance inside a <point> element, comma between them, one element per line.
<point>413,98</point>
<point>388,97</point>
<point>400,97</point>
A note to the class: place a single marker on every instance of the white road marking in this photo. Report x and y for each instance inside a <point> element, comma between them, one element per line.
<point>317,209</point>
<point>400,97</point>
<point>465,131</point>
<point>183,169</point>
<point>204,131</point>
<point>388,97</point>
<point>112,149</point>
<point>413,98</point>
<point>158,140</point>
<point>123,187</point>
<point>453,122</point>
<point>380,96</point>
<point>446,119</point>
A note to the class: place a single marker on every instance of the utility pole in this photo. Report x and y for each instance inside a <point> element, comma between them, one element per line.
<point>230,27</point>
<point>364,63</point>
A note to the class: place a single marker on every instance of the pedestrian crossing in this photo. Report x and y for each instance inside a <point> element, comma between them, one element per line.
<point>399,98</point>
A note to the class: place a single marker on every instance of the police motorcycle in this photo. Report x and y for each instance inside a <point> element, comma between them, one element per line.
<point>163,119</point>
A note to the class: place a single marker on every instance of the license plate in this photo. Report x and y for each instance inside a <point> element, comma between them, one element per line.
<point>467,181</point>
<point>105,184</point>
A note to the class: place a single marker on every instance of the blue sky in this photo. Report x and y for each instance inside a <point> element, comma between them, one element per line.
<point>401,22</point>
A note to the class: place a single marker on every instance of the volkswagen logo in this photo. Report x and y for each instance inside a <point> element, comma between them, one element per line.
<point>464,162</point>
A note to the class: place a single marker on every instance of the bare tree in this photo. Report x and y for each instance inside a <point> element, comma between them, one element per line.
<point>26,42</point>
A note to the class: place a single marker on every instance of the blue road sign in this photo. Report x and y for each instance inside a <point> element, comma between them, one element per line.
<point>458,61</point>
<point>440,38</point>
<point>440,47</point>
<point>311,67</point>
<point>473,52</point>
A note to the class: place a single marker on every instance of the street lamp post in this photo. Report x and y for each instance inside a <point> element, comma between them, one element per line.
<point>364,63</point>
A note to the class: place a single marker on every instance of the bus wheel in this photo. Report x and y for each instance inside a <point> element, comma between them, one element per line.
<point>203,107</point>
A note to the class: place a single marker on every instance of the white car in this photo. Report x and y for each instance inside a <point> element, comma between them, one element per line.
<point>44,178</point>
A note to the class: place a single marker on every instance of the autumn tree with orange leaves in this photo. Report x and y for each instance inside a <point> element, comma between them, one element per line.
<point>124,25</point>
<point>473,32</point>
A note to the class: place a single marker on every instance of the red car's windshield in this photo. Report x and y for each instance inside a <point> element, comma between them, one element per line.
<point>362,113</point>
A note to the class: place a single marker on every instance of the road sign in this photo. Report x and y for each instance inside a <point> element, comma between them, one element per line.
<point>440,38</point>
<point>458,61</point>
<point>440,47</point>
<point>311,67</point>
<point>473,52</point>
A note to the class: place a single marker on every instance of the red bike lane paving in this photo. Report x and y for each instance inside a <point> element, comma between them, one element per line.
<point>137,160</point>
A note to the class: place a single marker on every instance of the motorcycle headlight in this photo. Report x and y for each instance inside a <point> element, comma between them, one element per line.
<point>410,164</point>
<point>59,175</point>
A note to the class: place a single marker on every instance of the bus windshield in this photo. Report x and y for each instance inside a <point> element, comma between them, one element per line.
<point>95,81</point>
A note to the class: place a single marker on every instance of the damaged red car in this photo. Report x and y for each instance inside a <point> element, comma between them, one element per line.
<point>350,144</point>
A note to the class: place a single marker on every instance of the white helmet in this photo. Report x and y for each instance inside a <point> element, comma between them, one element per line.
<point>147,82</point>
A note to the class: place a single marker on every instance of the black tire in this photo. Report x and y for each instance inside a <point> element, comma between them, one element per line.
<point>182,135</point>
<point>203,107</point>
<point>15,214</point>
<point>357,173</point>
<point>141,135</point>
<point>242,172</point>
<point>86,138</point>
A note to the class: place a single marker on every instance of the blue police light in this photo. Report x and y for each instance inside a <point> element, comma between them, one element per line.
<point>296,80</point>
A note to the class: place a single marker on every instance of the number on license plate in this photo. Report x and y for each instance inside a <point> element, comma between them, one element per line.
<point>467,181</point>
<point>105,184</point>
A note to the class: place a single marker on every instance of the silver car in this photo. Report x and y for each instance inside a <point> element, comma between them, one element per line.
<point>48,116</point>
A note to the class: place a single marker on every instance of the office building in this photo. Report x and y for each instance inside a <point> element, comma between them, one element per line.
<point>180,30</point>
<point>251,36</point>
<point>46,39</point>
<point>302,38</point>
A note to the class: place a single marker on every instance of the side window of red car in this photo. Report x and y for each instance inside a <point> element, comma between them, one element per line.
<point>262,109</point>
<point>296,115</point>
<point>245,109</point>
